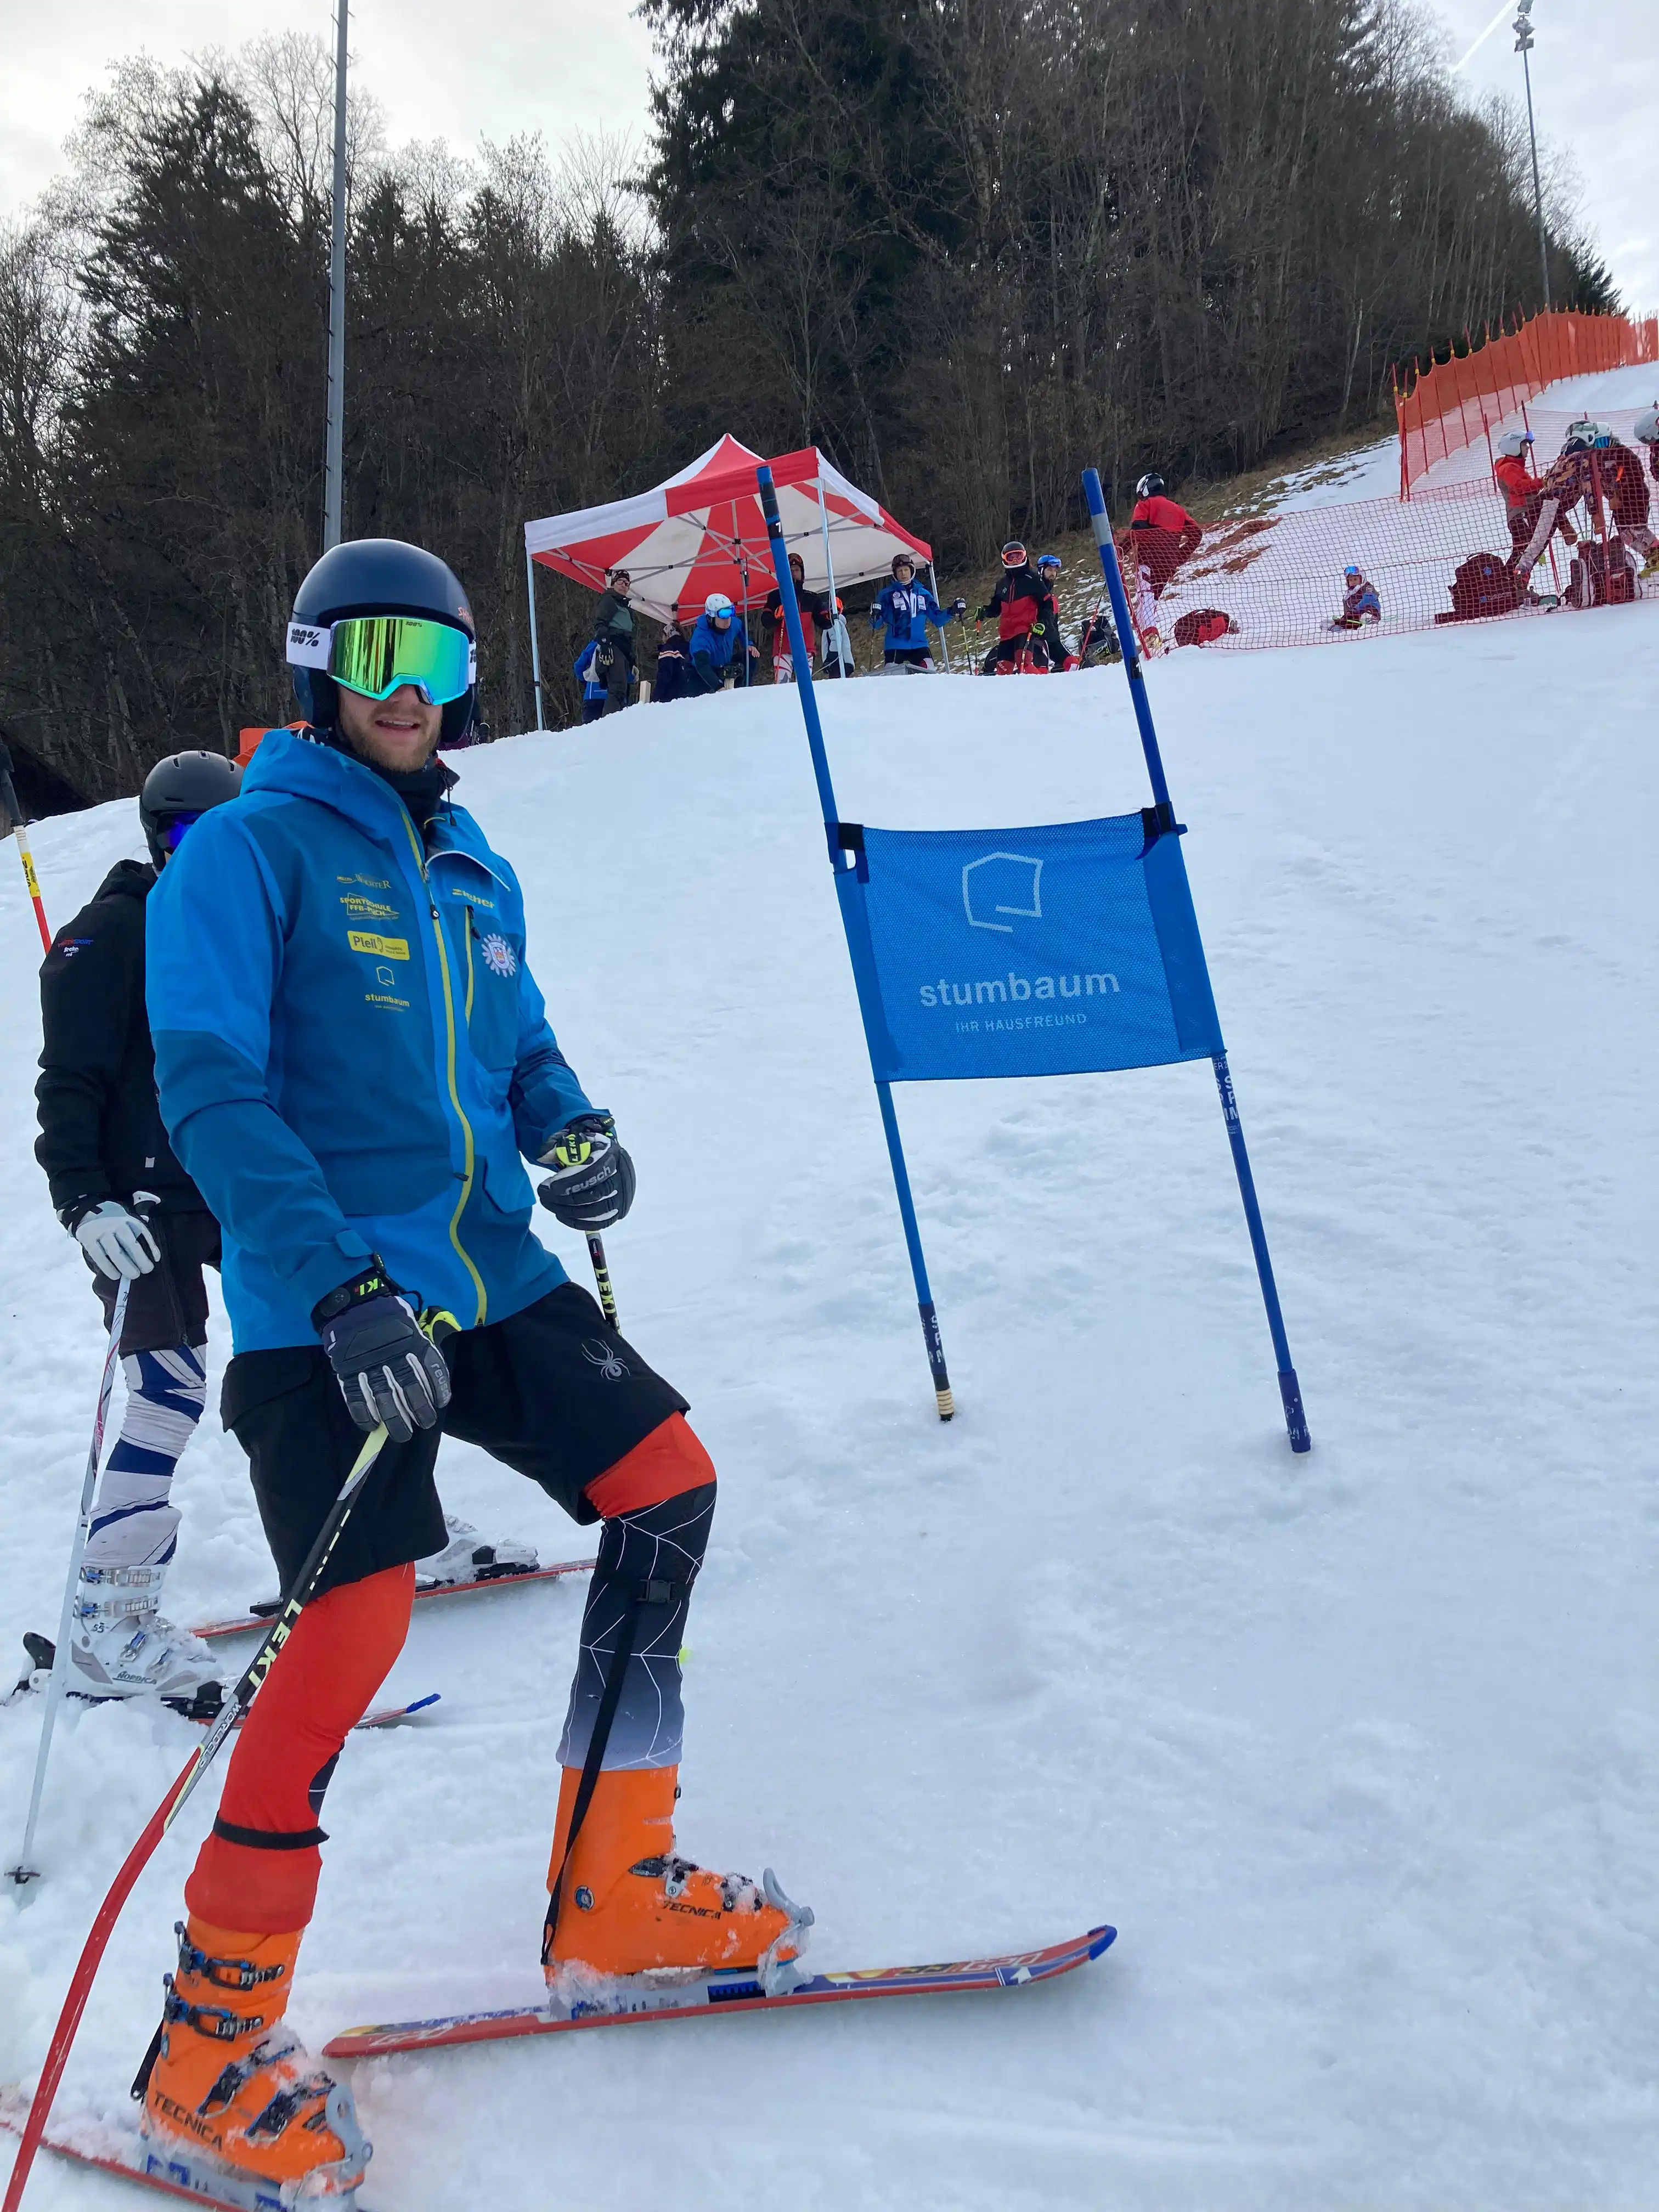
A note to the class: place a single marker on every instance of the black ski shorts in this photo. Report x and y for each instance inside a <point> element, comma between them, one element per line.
<point>551,1392</point>
<point>168,1307</point>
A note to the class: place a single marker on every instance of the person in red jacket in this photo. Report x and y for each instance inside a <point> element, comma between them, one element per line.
<point>1535,509</point>
<point>1163,533</point>
<point>1619,479</point>
<point>1028,628</point>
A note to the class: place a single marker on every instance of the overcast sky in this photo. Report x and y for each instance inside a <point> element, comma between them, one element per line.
<point>501,66</point>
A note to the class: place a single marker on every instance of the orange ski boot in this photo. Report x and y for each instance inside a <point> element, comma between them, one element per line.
<point>232,2093</point>
<point>629,1908</point>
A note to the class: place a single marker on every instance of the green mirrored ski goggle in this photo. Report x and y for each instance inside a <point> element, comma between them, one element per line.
<point>373,654</point>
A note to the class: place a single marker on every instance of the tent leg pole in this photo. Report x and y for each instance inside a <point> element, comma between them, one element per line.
<point>535,648</point>
<point>1289,1389</point>
<point>829,571</point>
<point>944,640</point>
<point>930,1333</point>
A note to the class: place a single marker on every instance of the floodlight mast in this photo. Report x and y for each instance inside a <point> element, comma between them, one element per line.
<point>1524,43</point>
<point>334,459</point>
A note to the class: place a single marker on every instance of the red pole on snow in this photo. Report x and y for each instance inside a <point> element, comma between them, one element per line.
<point>9,800</point>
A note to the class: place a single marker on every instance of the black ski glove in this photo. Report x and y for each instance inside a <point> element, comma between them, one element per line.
<point>959,608</point>
<point>593,1183</point>
<point>388,1368</point>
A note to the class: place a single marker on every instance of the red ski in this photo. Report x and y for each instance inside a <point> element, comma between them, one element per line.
<point>245,1623</point>
<point>729,1993</point>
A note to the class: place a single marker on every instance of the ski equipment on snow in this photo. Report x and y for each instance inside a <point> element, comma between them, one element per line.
<point>14,808</point>
<point>124,2152</point>
<point>723,1993</point>
<point>142,1200</point>
<point>257,1616</point>
<point>1163,814</point>
<point>80,1989</point>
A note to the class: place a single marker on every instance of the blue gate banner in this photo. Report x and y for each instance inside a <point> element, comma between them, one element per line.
<point>1054,950</point>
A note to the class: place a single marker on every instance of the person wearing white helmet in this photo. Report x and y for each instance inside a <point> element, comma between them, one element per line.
<point>720,650</point>
<point>1534,510</point>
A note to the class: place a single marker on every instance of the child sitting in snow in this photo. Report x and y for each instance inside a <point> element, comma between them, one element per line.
<point>1359,601</point>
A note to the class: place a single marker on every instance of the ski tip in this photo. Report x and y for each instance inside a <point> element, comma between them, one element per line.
<point>420,1704</point>
<point>1101,1939</point>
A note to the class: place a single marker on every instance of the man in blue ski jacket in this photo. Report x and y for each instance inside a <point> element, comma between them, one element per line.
<point>354,1063</point>
<point>904,610</point>
<point>720,646</point>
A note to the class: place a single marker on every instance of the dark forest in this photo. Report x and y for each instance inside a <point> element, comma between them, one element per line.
<point>965,247</point>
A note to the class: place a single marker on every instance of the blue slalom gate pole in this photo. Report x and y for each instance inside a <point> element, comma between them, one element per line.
<point>1289,1390</point>
<point>841,862</point>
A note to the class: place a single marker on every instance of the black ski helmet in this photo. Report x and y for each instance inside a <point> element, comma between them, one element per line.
<point>1150,487</point>
<point>1014,554</point>
<point>377,576</point>
<point>902,559</point>
<point>183,783</point>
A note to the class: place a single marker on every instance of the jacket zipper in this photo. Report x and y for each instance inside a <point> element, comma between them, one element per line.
<point>454,1094</point>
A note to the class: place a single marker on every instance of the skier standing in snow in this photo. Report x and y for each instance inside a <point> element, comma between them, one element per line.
<point>814,612</point>
<point>354,1063</point>
<point>1162,531</point>
<point>904,611</point>
<point>101,1140</point>
<point>1028,628</point>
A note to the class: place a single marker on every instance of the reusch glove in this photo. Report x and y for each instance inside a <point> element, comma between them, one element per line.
<point>116,1240</point>
<point>591,1186</point>
<point>959,608</point>
<point>388,1368</point>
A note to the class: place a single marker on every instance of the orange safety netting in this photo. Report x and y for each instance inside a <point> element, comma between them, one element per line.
<point>1451,553</point>
<point>1449,405</point>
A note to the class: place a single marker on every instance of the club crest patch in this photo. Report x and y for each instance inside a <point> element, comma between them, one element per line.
<point>498,955</point>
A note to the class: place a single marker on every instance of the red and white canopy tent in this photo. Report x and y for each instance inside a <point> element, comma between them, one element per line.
<point>703,530</point>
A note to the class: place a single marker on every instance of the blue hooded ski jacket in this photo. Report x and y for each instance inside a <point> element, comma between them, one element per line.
<point>904,610</point>
<point>350,1051</point>
<point>723,646</point>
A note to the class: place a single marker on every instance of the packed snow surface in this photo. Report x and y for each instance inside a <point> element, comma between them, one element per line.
<point>1360,1751</point>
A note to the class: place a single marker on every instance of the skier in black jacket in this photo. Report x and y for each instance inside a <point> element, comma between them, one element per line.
<point>101,1141</point>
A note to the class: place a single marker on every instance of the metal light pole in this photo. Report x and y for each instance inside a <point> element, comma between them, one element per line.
<point>1524,43</point>
<point>332,466</point>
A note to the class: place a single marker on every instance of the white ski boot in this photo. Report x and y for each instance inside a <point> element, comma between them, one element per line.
<point>467,1557</point>
<point>121,1645</point>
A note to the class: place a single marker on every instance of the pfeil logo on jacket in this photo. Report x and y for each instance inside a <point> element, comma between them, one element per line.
<point>498,955</point>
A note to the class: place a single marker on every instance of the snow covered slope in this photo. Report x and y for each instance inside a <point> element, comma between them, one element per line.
<point>1360,1751</point>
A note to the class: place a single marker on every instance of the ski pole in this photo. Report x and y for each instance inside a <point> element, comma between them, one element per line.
<point>297,1597</point>
<point>143,1202</point>
<point>14,808</point>
<point>602,1280</point>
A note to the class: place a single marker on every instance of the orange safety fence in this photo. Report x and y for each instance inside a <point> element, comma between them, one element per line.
<point>1453,553</point>
<point>1449,406</point>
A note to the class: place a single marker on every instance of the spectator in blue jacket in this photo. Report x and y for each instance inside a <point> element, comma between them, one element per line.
<point>592,679</point>
<point>720,646</point>
<point>904,610</point>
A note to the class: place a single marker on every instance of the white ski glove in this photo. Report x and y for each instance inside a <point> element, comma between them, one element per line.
<point>118,1244</point>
